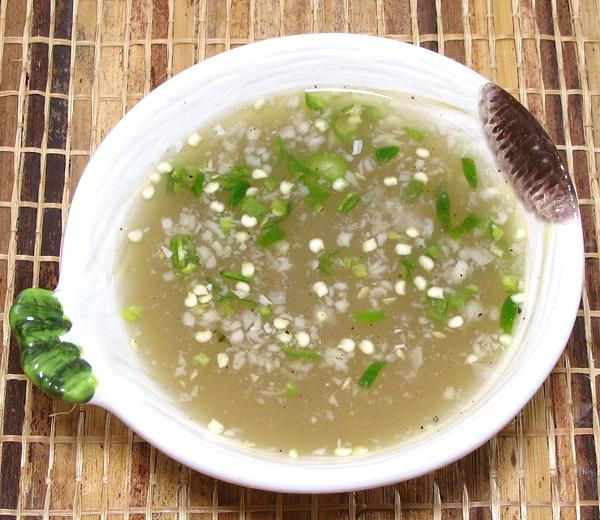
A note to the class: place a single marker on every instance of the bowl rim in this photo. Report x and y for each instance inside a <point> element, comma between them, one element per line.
<point>256,470</point>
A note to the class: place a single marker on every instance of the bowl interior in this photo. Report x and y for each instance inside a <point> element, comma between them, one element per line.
<point>112,181</point>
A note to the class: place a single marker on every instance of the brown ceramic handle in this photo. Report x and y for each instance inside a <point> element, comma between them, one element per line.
<point>527,156</point>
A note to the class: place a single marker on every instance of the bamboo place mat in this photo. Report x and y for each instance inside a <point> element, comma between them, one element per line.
<point>71,69</point>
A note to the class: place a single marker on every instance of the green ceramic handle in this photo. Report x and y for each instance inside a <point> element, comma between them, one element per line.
<point>55,366</point>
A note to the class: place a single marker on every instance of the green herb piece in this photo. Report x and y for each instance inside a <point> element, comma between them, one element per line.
<point>225,309</point>
<point>226,223</point>
<point>183,178</point>
<point>470,171</point>
<point>202,359</point>
<point>501,249</point>
<point>215,287</point>
<point>346,122</point>
<point>369,317</point>
<point>280,207</point>
<point>238,192</point>
<point>470,222</point>
<point>185,258</point>
<point>511,284</point>
<point>508,314</point>
<point>270,236</point>
<point>495,231</point>
<point>234,275</point>
<point>407,264</point>
<point>225,303</point>
<point>131,313</point>
<point>349,119</point>
<point>235,175</point>
<point>327,259</point>
<point>459,298</point>
<point>299,353</point>
<point>282,210</point>
<point>360,270</point>
<point>413,191</point>
<point>314,102</point>
<point>198,184</point>
<point>251,206</point>
<point>291,389</point>
<point>386,154</point>
<point>349,202</point>
<point>413,133</point>
<point>295,165</point>
<point>370,113</point>
<point>330,166</point>
<point>266,311</point>
<point>437,309</point>
<point>271,183</point>
<point>317,196</point>
<point>442,208</point>
<point>370,374</point>
<point>280,150</point>
<point>182,175</point>
<point>432,252</point>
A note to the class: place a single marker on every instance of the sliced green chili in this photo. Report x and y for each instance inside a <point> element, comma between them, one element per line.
<point>251,206</point>
<point>442,208</point>
<point>470,171</point>
<point>346,122</point>
<point>511,284</point>
<point>469,223</point>
<point>225,303</point>
<point>198,184</point>
<point>233,176</point>
<point>270,236</point>
<point>495,231</point>
<point>370,374</point>
<point>314,102</point>
<point>349,202</point>
<point>459,298</point>
<point>407,264</point>
<point>317,196</point>
<point>369,317</point>
<point>295,165</point>
<point>299,353</point>
<point>413,133</point>
<point>184,258</point>
<point>183,178</point>
<point>437,309</point>
<point>330,166</point>
<point>413,191</point>
<point>508,314</point>
<point>238,192</point>
<point>281,211</point>
<point>432,252</point>
<point>386,154</point>
<point>326,261</point>
<point>234,275</point>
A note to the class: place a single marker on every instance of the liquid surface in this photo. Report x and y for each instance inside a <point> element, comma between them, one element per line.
<point>324,274</point>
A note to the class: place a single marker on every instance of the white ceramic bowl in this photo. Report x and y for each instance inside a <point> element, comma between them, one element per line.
<point>114,175</point>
